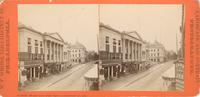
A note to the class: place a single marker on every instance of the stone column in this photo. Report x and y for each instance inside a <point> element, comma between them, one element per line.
<point>135,51</point>
<point>123,49</point>
<point>53,47</point>
<point>128,45</point>
<point>111,71</point>
<point>108,73</point>
<point>33,75</point>
<point>30,73</point>
<point>131,50</point>
<point>50,51</point>
<point>140,52</point>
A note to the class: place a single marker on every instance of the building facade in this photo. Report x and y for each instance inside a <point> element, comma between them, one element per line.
<point>53,60</point>
<point>119,52</point>
<point>31,54</point>
<point>78,53</point>
<point>132,51</point>
<point>110,52</point>
<point>156,52</point>
<point>67,55</point>
<point>40,54</point>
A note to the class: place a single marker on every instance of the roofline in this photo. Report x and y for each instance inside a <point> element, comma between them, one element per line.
<point>31,29</point>
<point>138,35</point>
<point>55,33</point>
<point>121,33</point>
<point>54,38</point>
<point>133,37</point>
<point>109,28</point>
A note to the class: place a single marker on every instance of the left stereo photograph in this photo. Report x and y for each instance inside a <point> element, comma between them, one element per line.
<point>57,47</point>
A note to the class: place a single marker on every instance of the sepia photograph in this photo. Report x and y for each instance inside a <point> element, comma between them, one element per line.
<point>57,46</point>
<point>141,47</point>
<point>94,47</point>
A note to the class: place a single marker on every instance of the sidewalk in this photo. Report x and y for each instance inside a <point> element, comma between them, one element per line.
<point>49,80</point>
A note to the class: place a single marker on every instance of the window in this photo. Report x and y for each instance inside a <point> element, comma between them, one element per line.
<point>126,56</point>
<point>36,50</point>
<point>107,47</point>
<point>36,43</point>
<point>29,40</point>
<point>119,48</point>
<point>29,49</point>
<point>41,50</point>
<point>119,42</point>
<point>41,43</point>
<point>158,60</point>
<point>114,41</point>
<point>107,39</point>
<point>114,49</point>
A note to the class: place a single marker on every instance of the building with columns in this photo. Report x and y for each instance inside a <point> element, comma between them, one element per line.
<point>119,52</point>
<point>110,52</point>
<point>40,54</point>
<point>132,51</point>
<point>53,44</point>
<point>31,54</point>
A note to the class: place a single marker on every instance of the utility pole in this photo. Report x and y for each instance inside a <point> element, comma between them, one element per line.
<point>177,46</point>
<point>98,63</point>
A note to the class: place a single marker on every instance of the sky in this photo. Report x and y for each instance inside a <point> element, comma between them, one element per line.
<point>75,22</point>
<point>152,22</point>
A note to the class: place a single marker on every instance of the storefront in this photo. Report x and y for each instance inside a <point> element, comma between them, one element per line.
<point>30,71</point>
<point>110,71</point>
<point>130,67</point>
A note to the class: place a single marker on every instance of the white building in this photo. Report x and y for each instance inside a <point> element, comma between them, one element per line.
<point>40,53</point>
<point>119,52</point>
<point>53,60</point>
<point>110,52</point>
<point>156,52</point>
<point>78,53</point>
<point>67,55</point>
<point>31,53</point>
<point>132,51</point>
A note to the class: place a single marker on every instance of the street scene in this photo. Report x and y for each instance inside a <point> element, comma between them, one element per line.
<point>101,47</point>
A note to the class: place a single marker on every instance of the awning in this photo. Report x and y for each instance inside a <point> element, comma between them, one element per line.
<point>92,74</point>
